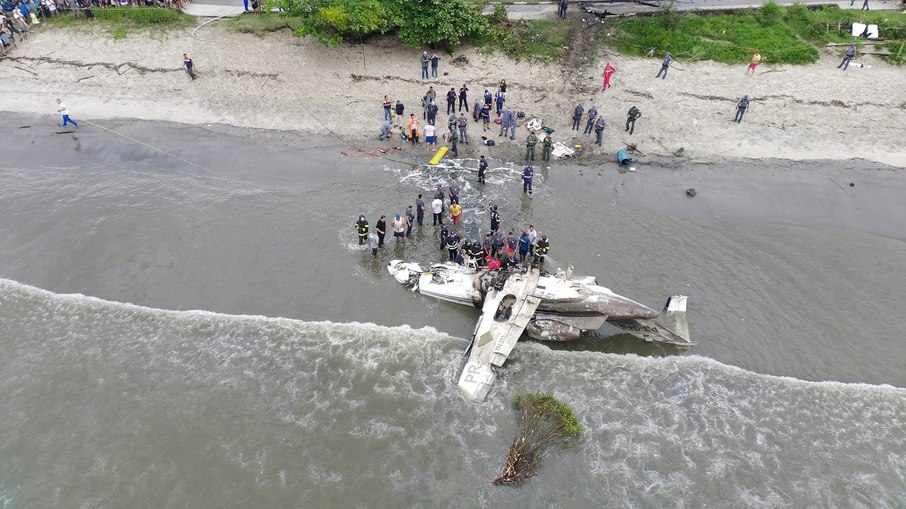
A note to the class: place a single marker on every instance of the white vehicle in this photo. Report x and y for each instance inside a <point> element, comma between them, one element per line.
<point>547,307</point>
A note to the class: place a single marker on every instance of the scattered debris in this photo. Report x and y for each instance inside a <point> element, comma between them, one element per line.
<point>460,61</point>
<point>561,150</point>
<point>691,192</point>
<point>678,152</point>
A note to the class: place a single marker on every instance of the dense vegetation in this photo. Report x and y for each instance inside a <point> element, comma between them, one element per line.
<point>545,421</point>
<point>433,22</point>
<point>781,34</point>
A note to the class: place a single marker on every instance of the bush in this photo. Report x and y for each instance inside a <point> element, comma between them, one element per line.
<point>139,15</point>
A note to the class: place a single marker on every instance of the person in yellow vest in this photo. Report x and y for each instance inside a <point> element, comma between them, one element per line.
<point>756,59</point>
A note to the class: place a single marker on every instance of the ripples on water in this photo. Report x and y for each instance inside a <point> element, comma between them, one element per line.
<point>112,405</point>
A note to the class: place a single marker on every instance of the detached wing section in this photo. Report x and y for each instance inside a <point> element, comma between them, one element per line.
<point>505,314</point>
<point>671,327</point>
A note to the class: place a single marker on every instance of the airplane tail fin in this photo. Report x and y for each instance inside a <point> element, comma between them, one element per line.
<point>674,316</point>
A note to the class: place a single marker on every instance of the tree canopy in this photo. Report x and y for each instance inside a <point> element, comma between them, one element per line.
<point>416,22</point>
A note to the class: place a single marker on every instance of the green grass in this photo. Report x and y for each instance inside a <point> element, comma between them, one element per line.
<point>782,34</point>
<point>264,24</point>
<point>120,21</point>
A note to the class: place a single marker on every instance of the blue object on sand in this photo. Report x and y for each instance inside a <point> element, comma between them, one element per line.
<point>623,157</point>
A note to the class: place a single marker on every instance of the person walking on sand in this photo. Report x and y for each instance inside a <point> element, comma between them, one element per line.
<point>633,115</point>
<point>864,5</point>
<point>63,111</point>
<point>425,61</point>
<point>530,143</point>
<point>756,59</point>
<point>850,53</point>
<point>464,98</point>
<point>413,129</point>
<point>592,116</point>
<point>668,59</point>
<point>186,61</point>
<point>608,72</point>
<point>434,61</point>
<point>599,130</point>
<point>741,108</point>
<point>577,117</point>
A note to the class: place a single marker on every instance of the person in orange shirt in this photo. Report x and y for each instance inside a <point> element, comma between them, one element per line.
<point>455,214</point>
<point>413,129</point>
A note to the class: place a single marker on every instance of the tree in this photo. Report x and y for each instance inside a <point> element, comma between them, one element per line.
<point>544,422</point>
<point>438,21</point>
<point>333,21</point>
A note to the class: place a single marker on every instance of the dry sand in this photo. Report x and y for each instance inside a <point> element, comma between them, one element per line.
<point>286,83</point>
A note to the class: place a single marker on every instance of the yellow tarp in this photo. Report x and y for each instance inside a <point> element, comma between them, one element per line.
<point>439,155</point>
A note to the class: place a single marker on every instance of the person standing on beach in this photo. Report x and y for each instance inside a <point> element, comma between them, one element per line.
<point>488,98</point>
<point>399,108</point>
<point>425,61</point>
<point>361,227</point>
<point>864,5</point>
<point>463,124</point>
<point>63,111</point>
<point>592,116</point>
<point>850,53</point>
<point>431,112</point>
<point>485,116</point>
<point>599,130</point>
<point>561,8</point>
<point>668,59</point>
<point>507,122</point>
<point>608,72</point>
<point>454,136</point>
<point>756,59</point>
<point>420,210</point>
<point>527,174</point>
<point>399,228</point>
<point>455,214</point>
<point>494,216</point>
<point>430,135</point>
<point>633,115</point>
<point>413,129</point>
<point>464,98</point>
<point>530,143</point>
<point>381,228</point>
<point>482,169</point>
<point>437,207</point>
<point>388,105</point>
<point>741,108</point>
<point>434,61</point>
<point>186,61</point>
<point>546,146</point>
<point>577,117</point>
<point>499,98</point>
<point>451,101</point>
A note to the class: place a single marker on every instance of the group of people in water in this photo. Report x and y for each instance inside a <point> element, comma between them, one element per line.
<point>496,251</point>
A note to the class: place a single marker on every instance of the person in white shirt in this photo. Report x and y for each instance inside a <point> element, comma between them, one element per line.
<point>431,135</point>
<point>437,207</point>
<point>63,111</point>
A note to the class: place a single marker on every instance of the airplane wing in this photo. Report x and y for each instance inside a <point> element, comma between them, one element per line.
<point>671,327</point>
<point>505,314</point>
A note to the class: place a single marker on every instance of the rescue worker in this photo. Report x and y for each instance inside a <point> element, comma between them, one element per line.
<point>495,218</point>
<point>527,173</point>
<point>530,143</point>
<point>741,108</point>
<point>546,146</point>
<point>599,130</point>
<point>507,122</point>
<point>482,168</point>
<point>477,253</point>
<point>499,98</point>
<point>541,249</point>
<point>444,233</point>
<point>590,124</point>
<point>577,117</point>
<point>633,115</point>
<point>361,227</point>
<point>452,245</point>
<point>464,98</point>
<point>454,192</point>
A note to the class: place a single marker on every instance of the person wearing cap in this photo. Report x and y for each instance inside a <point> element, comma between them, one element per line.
<point>546,147</point>
<point>361,227</point>
<point>530,143</point>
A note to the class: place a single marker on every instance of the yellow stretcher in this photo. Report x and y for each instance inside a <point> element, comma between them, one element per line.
<point>439,155</point>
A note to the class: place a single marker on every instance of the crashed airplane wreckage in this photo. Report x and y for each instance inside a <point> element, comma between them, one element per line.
<point>547,307</point>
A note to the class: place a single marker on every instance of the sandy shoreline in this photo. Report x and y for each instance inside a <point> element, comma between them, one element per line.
<point>286,83</point>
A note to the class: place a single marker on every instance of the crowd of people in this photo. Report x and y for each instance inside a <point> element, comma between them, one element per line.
<point>495,251</point>
<point>20,16</point>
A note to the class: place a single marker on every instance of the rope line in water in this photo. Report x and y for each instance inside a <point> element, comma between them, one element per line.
<point>241,183</point>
